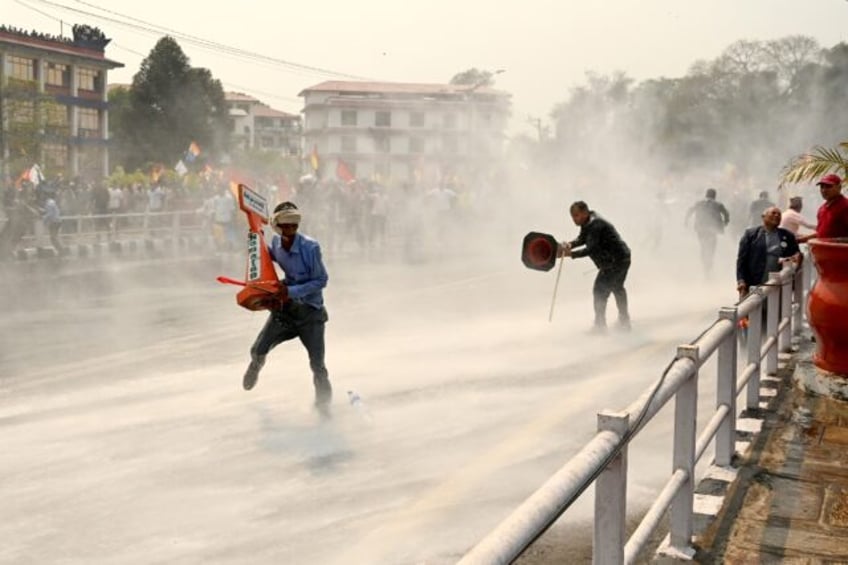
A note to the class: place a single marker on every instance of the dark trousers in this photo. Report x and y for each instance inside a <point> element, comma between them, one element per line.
<point>297,320</point>
<point>53,229</point>
<point>708,248</point>
<point>611,280</point>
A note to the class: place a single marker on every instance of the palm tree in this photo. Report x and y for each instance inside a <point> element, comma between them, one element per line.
<point>811,166</point>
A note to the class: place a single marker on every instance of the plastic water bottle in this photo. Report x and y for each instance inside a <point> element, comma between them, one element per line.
<point>358,404</point>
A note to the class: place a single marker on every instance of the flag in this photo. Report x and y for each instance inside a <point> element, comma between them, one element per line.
<point>343,172</point>
<point>313,158</point>
<point>193,152</point>
<point>36,177</point>
<point>156,172</point>
<point>180,168</point>
<point>24,176</point>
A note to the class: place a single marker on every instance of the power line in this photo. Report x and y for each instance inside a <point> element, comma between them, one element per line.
<point>148,27</point>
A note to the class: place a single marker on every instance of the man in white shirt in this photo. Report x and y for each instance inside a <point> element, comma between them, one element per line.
<point>792,220</point>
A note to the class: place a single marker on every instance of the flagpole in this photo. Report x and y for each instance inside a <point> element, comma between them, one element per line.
<point>556,286</point>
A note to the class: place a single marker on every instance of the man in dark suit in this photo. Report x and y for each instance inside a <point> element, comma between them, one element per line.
<point>762,250</point>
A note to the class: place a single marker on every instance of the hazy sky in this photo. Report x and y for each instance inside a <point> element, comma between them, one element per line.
<point>544,46</point>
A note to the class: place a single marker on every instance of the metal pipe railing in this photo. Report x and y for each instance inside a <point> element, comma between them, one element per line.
<point>607,462</point>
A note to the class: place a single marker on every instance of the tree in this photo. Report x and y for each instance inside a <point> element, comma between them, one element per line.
<point>789,56</point>
<point>810,166</point>
<point>474,77</point>
<point>27,121</point>
<point>170,105</point>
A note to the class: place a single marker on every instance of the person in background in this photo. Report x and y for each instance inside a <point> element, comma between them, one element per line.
<point>833,213</point>
<point>223,217</point>
<point>599,240</point>
<point>792,220</point>
<point>762,250</point>
<point>302,314</point>
<point>711,217</point>
<point>757,207</point>
<point>52,218</point>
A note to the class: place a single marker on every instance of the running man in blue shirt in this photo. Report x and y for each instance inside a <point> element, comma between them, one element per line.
<point>303,314</point>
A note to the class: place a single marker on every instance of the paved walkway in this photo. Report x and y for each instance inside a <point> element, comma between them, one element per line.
<point>789,503</point>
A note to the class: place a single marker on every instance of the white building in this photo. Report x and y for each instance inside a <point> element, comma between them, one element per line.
<point>258,126</point>
<point>401,132</point>
<point>56,87</point>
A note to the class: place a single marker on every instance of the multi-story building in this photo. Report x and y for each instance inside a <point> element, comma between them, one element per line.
<point>258,126</point>
<point>53,106</point>
<point>402,132</point>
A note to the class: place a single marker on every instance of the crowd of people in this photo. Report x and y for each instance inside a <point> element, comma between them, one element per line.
<point>770,239</point>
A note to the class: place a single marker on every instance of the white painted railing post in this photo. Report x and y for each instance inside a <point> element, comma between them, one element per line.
<point>685,428</point>
<point>772,320</point>
<point>784,340</point>
<point>611,497</point>
<point>808,280</point>
<point>726,391</point>
<point>755,340</point>
<point>798,299</point>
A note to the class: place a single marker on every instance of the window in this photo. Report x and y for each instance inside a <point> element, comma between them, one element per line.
<point>55,156</point>
<point>348,144</point>
<point>57,115</point>
<point>382,144</point>
<point>416,119</point>
<point>88,79</point>
<point>21,111</point>
<point>349,117</point>
<point>89,122</point>
<point>449,121</point>
<point>383,119</point>
<point>58,75</point>
<point>450,144</point>
<point>416,145</point>
<point>21,68</point>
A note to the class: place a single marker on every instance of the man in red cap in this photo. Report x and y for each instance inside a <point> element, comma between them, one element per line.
<point>833,213</point>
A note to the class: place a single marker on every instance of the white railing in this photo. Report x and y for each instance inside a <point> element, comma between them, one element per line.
<point>603,460</point>
<point>90,228</point>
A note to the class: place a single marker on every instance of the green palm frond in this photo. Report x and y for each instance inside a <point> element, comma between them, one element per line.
<point>810,166</point>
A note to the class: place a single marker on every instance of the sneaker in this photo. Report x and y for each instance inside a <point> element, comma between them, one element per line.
<point>323,398</point>
<point>252,373</point>
<point>323,393</point>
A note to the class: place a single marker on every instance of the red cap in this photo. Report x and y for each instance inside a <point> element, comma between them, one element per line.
<point>830,179</point>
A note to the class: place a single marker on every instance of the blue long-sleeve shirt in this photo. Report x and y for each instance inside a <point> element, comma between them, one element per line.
<point>51,212</point>
<point>305,274</point>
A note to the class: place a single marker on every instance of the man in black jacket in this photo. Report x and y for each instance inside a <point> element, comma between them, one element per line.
<point>711,217</point>
<point>763,250</point>
<point>599,241</point>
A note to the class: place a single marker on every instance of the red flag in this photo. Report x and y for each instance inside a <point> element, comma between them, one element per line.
<point>343,172</point>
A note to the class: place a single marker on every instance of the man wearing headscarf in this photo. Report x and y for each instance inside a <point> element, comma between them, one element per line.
<point>302,314</point>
